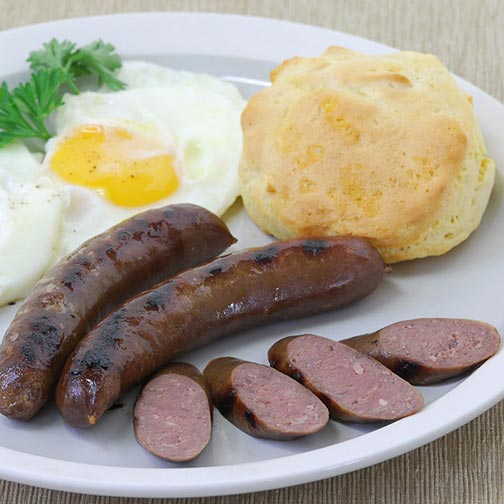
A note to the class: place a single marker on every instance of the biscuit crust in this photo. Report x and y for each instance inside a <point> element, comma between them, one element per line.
<point>384,147</point>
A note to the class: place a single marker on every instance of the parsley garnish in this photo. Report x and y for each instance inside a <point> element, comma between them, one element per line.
<point>24,109</point>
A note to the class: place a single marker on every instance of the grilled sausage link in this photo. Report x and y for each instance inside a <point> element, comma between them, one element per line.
<point>173,413</point>
<point>263,402</point>
<point>279,281</point>
<point>429,350</point>
<point>84,287</point>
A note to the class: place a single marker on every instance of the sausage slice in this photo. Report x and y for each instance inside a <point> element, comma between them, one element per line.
<point>263,402</point>
<point>429,350</point>
<point>352,385</point>
<point>89,283</point>
<point>173,414</point>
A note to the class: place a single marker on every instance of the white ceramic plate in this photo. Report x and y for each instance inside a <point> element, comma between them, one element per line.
<point>464,283</point>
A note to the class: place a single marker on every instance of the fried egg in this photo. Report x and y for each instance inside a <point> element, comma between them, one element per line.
<point>31,206</point>
<point>169,137</point>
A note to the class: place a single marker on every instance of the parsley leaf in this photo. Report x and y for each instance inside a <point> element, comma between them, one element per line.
<point>57,65</point>
<point>24,109</point>
<point>98,58</point>
<point>54,54</point>
<point>95,58</point>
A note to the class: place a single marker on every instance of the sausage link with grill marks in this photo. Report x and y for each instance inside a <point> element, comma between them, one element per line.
<point>282,280</point>
<point>84,287</point>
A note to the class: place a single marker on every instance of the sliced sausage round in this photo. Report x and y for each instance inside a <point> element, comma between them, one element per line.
<point>173,414</point>
<point>354,386</point>
<point>263,402</point>
<point>429,350</point>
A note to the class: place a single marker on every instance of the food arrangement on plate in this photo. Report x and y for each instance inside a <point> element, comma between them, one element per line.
<point>350,162</point>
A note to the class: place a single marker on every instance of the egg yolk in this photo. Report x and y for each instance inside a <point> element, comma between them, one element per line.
<point>126,169</point>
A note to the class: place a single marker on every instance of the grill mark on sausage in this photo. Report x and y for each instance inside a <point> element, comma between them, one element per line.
<point>94,359</point>
<point>124,235</point>
<point>85,263</point>
<point>100,355</point>
<point>154,302</point>
<point>111,254</point>
<point>73,276</point>
<point>42,338</point>
<point>265,256</point>
<point>406,369</point>
<point>155,226</point>
<point>295,374</point>
<point>216,270</point>
<point>315,247</point>
<point>109,332</point>
<point>227,401</point>
<point>250,418</point>
<point>77,271</point>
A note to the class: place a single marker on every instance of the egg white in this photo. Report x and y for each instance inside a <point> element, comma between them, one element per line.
<point>194,117</point>
<point>31,210</point>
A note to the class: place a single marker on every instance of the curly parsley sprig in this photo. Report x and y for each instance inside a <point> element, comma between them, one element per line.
<point>24,109</point>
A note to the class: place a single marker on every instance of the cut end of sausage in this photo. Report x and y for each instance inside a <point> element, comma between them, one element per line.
<point>353,386</point>
<point>173,418</point>
<point>265,403</point>
<point>429,350</point>
<point>280,403</point>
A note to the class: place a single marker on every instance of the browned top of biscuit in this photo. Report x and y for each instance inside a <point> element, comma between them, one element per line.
<point>355,144</point>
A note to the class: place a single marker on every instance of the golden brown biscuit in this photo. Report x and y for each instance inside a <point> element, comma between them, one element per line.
<point>384,147</point>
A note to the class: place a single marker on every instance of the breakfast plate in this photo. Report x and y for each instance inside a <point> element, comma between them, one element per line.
<point>464,283</point>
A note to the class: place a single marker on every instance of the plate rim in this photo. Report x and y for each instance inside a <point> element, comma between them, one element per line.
<point>119,481</point>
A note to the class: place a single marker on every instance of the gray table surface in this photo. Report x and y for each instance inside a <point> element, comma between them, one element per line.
<point>464,466</point>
